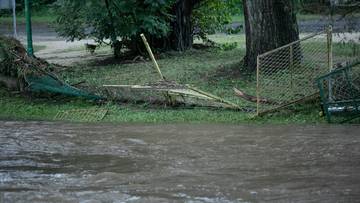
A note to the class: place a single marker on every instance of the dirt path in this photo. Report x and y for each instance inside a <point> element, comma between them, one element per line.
<point>54,48</point>
<point>67,53</point>
<point>57,162</point>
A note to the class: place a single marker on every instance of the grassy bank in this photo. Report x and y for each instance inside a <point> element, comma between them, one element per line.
<point>215,70</point>
<point>17,107</point>
<point>43,19</point>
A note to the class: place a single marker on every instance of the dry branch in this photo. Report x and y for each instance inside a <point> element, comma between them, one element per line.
<point>251,98</point>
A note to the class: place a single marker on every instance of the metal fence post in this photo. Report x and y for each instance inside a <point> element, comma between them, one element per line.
<point>14,17</point>
<point>30,48</point>
<point>291,66</point>
<point>330,58</point>
<point>257,86</point>
<point>330,48</point>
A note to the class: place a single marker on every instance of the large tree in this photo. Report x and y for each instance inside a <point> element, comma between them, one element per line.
<point>206,16</point>
<point>181,35</point>
<point>268,24</point>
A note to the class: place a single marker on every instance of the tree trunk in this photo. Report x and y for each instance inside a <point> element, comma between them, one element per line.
<point>268,24</point>
<point>181,37</point>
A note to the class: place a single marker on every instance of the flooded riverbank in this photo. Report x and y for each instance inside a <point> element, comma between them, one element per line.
<point>62,162</point>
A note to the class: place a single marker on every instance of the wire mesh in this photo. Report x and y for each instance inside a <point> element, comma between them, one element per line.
<point>340,93</point>
<point>288,74</point>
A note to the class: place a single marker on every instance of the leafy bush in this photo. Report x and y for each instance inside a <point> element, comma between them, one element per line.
<point>121,22</point>
<point>35,4</point>
<point>212,15</point>
<point>112,19</point>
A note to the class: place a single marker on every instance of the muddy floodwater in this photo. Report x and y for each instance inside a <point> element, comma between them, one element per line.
<point>90,163</point>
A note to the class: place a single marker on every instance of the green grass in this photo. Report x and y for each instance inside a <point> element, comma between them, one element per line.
<point>238,18</point>
<point>42,16</point>
<point>16,107</point>
<point>35,19</point>
<point>209,70</point>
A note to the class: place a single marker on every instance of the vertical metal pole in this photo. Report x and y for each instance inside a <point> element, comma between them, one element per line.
<point>291,66</point>
<point>14,17</point>
<point>330,59</point>
<point>257,86</point>
<point>30,48</point>
<point>330,48</point>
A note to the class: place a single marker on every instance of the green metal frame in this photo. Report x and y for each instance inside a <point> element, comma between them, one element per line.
<point>354,102</point>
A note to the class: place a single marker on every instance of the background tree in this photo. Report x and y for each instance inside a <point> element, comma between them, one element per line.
<point>168,24</point>
<point>121,22</point>
<point>268,24</point>
<point>181,35</point>
<point>199,18</point>
<point>35,4</point>
<point>214,15</point>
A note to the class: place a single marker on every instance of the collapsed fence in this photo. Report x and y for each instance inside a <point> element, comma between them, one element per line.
<point>288,74</point>
<point>340,93</point>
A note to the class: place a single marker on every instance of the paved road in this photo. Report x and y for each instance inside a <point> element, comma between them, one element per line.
<point>59,162</point>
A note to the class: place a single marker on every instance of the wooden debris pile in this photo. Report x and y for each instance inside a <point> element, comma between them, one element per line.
<point>173,91</point>
<point>15,65</point>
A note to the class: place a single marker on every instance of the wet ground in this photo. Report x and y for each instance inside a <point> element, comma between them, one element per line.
<point>58,162</point>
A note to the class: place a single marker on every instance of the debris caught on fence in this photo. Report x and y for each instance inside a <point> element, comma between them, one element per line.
<point>19,72</point>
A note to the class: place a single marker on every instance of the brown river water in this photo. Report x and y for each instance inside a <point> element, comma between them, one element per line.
<point>91,163</point>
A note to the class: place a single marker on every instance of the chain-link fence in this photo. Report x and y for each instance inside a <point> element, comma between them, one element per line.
<point>340,93</point>
<point>287,74</point>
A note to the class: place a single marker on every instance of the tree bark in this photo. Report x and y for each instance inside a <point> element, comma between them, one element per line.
<point>181,36</point>
<point>116,45</point>
<point>269,24</point>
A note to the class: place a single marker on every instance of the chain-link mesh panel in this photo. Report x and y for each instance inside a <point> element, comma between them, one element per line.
<point>288,74</point>
<point>340,93</point>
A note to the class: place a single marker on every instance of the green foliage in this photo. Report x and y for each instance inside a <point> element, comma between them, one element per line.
<point>229,46</point>
<point>35,4</point>
<point>125,20</point>
<point>122,19</point>
<point>212,15</point>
